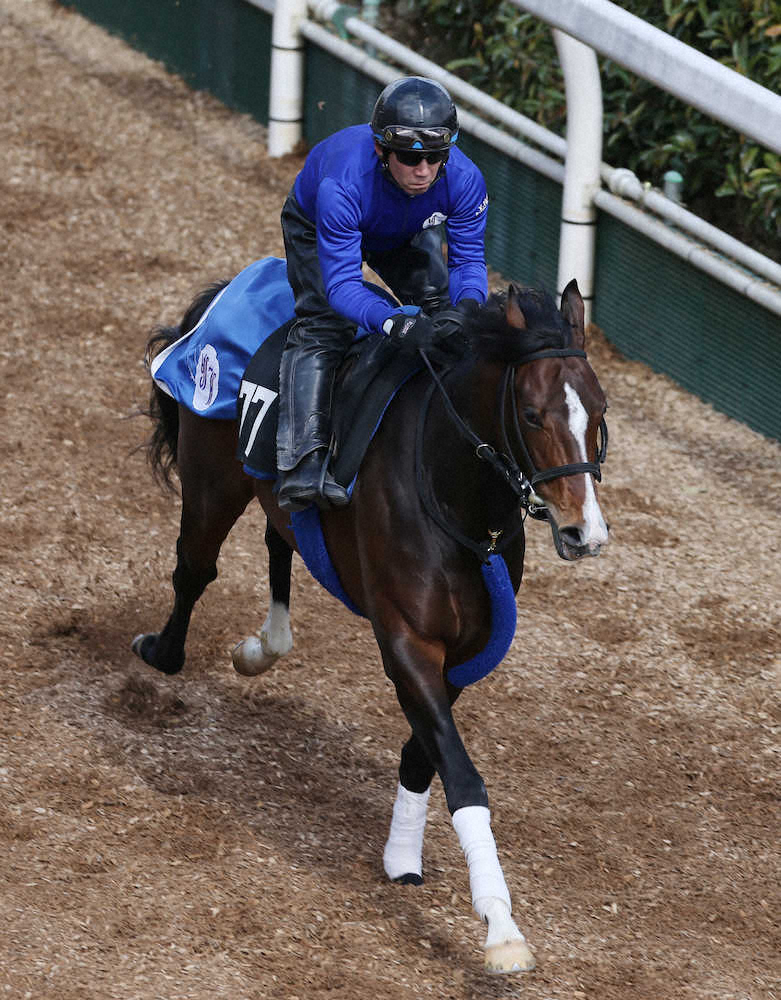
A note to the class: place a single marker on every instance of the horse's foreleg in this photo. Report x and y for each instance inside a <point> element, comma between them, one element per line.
<point>427,702</point>
<point>403,854</point>
<point>257,654</point>
<point>402,858</point>
<point>505,946</point>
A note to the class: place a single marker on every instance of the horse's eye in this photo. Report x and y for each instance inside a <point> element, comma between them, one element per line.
<point>532,417</point>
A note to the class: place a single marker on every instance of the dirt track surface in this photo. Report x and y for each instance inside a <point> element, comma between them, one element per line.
<point>207,836</point>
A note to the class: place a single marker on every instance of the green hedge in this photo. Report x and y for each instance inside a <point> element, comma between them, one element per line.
<point>511,56</point>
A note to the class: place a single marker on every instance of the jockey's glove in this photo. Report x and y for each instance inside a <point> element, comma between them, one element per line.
<point>411,333</point>
<point>453,320</point>
<point>468,307</point>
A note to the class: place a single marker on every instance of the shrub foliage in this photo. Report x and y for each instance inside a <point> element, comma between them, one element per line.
<point>511,56</point>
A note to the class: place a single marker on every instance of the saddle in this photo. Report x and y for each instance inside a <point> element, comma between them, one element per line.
<point>370,376</point>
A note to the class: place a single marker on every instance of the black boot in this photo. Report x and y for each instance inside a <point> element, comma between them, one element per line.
<point>305,384</point>
<point>310,482</point>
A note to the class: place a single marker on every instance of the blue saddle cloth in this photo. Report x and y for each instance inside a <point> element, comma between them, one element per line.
<point>203,369</point>
<point>227,368</point>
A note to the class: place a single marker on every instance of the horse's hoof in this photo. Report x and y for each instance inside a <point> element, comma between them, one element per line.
<point>144,646</point>
<point>141,644</point>
<point>251,657</point>
<point>509,956</point>
<point>411,878</point>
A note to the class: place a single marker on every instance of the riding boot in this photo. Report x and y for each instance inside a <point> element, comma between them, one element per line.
<point>306,384</point>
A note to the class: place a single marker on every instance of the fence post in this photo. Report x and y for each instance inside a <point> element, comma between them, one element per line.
<point>582,165</point>
<point>286,86</point>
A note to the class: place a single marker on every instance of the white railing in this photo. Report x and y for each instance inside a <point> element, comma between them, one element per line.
<point>673,66</point>
<point>706,247</point>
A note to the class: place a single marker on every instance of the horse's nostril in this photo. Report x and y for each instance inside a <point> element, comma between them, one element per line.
<point>570,535</point>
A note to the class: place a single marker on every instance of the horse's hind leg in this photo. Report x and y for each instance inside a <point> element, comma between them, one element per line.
<point>165,650</point>
<point>215,492</point>
<point>257,654</point>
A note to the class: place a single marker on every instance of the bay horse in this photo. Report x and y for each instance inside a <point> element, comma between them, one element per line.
<point>464,451</point>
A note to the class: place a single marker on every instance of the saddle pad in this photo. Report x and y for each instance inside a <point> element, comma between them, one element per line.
<point>203,369</point>
<point>227,368</point>
<point>257,408</point>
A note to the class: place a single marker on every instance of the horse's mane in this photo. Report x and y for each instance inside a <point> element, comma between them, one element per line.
<point>493,339</point>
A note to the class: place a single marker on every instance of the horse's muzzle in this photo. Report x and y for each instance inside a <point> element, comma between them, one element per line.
<point>571,545</point>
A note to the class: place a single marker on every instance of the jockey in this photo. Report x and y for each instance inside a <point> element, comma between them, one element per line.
<point>378,193</point>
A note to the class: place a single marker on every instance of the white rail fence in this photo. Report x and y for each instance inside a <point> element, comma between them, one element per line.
<point>581,28</point>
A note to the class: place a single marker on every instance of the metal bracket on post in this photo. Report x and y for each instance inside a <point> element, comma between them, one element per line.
<point>582,165</point>
<point>286,100</point>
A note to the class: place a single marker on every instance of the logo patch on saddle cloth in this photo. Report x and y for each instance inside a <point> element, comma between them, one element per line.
<point>207,378</point>
<point>369,379</point>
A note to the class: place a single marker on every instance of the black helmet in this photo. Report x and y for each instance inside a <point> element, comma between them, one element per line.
<point>415,113</point>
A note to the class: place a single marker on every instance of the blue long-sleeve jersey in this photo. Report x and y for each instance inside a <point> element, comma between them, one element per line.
<point>357,209</point>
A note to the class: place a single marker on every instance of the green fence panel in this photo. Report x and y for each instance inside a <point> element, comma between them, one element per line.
<point>659,309</point>
<point>335,95</point>
<point>652,305</point>
<point>522,234</point>
<point>524,217</point>
<point>223,46</point>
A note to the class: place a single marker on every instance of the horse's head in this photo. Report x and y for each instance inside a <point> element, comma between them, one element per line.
<point>554,412</point>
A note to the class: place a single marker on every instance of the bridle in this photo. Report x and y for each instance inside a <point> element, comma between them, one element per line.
<point>504,463</point>
<point>556,471</point>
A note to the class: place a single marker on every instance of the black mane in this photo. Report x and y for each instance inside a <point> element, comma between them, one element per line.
<point>493,339</point>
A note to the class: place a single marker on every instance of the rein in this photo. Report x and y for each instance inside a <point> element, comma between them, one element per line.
<point>503,464</point>
<point>500,464</point>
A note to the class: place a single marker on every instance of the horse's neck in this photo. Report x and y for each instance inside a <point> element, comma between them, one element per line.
<point>461,482</point>
<point>475,394</point>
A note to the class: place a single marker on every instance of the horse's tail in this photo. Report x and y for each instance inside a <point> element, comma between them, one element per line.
<point>161,448</point>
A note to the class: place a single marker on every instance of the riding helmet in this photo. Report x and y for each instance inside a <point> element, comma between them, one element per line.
<point>415,113</point>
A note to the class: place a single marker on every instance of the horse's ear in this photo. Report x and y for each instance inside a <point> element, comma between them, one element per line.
<point>573,312</point>
<point>513,312</point>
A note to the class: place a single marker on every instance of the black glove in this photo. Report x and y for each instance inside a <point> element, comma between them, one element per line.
<point>453,320</point>
<point>411,333</point>
<point>468,307</point>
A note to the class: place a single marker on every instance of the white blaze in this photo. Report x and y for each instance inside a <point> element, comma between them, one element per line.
<point>594,528</point>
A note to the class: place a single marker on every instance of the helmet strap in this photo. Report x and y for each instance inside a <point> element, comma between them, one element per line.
<point>386,166</point>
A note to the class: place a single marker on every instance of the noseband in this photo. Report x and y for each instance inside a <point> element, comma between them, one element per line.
<point>504,463</point>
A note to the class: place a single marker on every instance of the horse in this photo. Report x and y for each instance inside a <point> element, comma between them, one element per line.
<point>433,531</point>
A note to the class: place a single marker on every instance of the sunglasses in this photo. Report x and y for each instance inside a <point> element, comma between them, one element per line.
<point>411,158</point>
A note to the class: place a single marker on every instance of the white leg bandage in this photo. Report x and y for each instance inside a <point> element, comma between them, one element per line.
<point>505,947</point>
<point>473,826</point>
<point>403,853</point>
